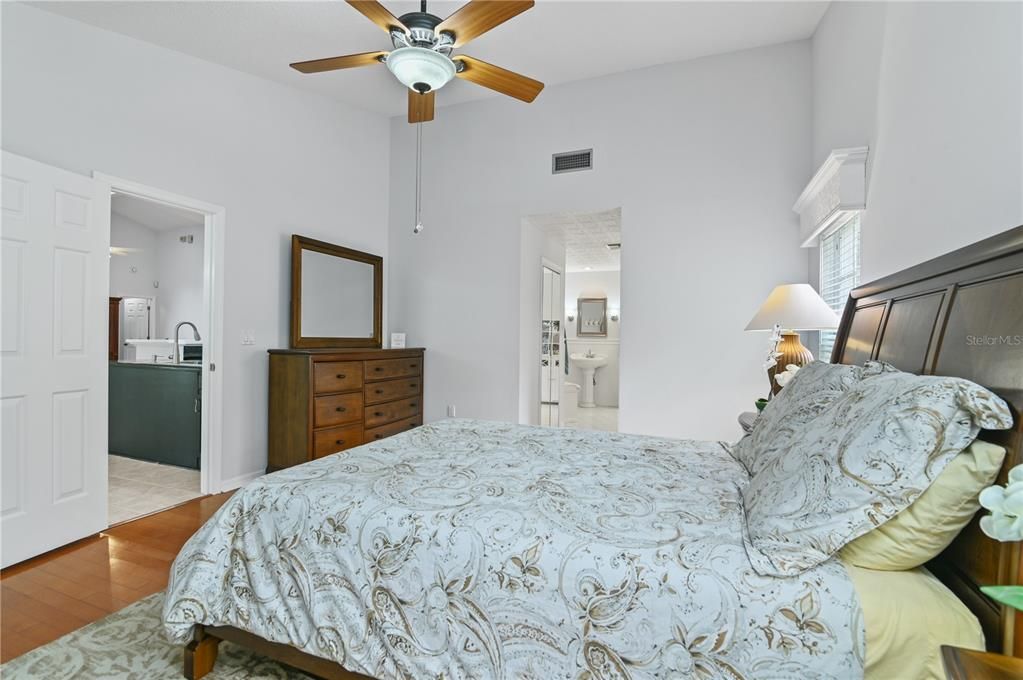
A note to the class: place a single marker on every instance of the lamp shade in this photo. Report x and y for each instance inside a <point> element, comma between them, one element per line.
<point>794,306</point>
<point>421,69</point>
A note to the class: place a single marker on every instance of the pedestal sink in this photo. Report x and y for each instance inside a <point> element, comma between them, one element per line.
<point>588,364</point>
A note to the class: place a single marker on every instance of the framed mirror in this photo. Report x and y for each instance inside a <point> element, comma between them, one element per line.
<point>592,317</point>
<point>336,295</point>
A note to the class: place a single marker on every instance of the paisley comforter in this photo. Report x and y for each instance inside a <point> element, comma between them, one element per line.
<point>468,549</point>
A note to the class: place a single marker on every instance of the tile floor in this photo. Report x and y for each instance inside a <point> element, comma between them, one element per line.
<point>138,487</point>
<point>597,418</point>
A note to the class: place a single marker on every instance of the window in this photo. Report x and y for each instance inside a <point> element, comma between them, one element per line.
<point>840,273</point>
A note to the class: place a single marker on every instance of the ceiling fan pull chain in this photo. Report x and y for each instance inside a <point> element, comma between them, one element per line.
<point>419,178</point>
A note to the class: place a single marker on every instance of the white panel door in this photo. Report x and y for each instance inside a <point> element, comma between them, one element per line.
<point>55,229</point>
<point>136,318</point>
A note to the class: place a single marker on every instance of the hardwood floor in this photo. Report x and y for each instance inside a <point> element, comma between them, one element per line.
<point>48,596</point>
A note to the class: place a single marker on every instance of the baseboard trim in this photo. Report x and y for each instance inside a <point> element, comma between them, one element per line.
<point>240,481</point>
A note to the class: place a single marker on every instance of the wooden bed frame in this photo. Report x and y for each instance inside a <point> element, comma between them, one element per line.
<point>960,314</point>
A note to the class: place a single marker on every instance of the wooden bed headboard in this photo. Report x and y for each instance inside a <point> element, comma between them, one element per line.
<point>960,314</point>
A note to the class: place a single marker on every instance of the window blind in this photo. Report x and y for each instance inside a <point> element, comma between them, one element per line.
<point>840,273</point>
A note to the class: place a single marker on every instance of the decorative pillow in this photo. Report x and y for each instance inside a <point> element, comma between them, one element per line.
<point>869,454</point>
<point>808,393</point>
<point>921,531</point>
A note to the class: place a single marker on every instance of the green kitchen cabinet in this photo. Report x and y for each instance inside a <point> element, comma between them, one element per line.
<point>155,412</point>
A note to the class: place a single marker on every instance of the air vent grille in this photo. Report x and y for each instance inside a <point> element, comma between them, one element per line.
<point>572,161</point>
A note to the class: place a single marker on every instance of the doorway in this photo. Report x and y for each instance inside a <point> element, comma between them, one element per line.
<point>580,321</point>
<point>166,315</point>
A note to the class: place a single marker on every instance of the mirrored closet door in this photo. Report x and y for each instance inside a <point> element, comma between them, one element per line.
<point>551,364</point>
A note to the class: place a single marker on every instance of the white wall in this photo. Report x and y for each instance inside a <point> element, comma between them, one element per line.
<point>534,246</point>
<point>936,91</point>
<point>596,284</point>
<point>124,282</point>
<point>279,159</point>
<point>180,296</point>
<point>704,157</point>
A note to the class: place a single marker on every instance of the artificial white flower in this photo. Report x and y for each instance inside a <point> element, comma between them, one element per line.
<point>772,351</point>
<point>785,376</point>
<point>1005,523</point>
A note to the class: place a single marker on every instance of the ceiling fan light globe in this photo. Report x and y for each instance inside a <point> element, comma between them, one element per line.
<point>417,67</point>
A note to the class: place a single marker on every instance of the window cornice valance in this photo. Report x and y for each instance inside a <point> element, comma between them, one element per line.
<point>838,189</point>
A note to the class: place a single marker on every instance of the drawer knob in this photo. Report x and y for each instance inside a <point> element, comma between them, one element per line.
<point>378,436</point>
<point>378,369</point>
<point>378,414</point>
<point>413,385</point>
<point>413,405</point>
<point>341,376</point>
<point>380,391</point>
<point>340,442</point>
<point>413,365</point>
<point>340,409</point>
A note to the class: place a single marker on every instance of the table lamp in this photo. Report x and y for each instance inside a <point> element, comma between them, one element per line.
<point>794,307</point>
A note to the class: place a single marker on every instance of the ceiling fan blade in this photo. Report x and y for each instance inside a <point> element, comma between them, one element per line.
<point>498,79</point>
<point>479,16</point>
<point>335,63</point>
<point>378,14</point>
<point>420,107</point>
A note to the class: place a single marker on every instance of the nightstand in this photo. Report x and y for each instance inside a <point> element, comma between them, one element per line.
<point>747,420</point>
<point>970,664</point>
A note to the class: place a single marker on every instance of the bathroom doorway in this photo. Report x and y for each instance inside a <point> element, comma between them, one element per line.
<point>164,343</point>
<point>580,319</point>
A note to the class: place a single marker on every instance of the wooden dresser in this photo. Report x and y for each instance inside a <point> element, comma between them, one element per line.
<point>327,400</point>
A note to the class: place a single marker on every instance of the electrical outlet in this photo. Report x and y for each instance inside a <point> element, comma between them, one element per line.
<point>248,338</point>
<point>451,410</point>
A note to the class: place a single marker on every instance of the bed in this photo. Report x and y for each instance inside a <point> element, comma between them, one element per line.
<point>475,549</point>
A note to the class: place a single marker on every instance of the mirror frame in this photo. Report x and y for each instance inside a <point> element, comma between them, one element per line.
<point>298,341</point>
<point>602,333</point>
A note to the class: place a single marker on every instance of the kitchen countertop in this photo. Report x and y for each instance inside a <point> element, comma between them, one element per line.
<point>151,365</point>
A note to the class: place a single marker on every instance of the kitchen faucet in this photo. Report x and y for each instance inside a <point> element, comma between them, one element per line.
<point>177,332</point>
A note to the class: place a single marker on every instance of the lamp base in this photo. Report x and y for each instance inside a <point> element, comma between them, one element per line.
<point>792,352</point>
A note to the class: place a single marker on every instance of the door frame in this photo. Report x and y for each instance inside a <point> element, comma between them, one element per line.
<point>211,422</point>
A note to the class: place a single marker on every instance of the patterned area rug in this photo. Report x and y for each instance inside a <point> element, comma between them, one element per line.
<point>130,644</point>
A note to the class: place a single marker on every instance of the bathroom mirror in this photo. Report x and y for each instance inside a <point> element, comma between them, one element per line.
<point>336,295</point>
<point>592,318</point>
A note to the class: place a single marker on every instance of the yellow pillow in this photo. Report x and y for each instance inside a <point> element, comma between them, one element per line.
<point>929,524</point>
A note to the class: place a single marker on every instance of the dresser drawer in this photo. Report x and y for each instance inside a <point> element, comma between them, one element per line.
<point>382,369</point>
<point>389,390</point>
<point>391,411</point>
<point>337,376</point>
<point>385,431</point>
<point>337,409</point>
<point>326,442</point>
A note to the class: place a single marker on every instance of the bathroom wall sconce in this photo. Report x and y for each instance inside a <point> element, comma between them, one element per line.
<point>569,314</point>
<point>613,315</point>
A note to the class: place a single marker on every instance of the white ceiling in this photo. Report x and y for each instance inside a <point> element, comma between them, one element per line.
<point>156,216</point>
<point>585,236</point>
<point>555,42</point>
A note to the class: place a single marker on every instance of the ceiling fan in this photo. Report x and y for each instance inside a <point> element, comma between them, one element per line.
<point>422,58</point>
